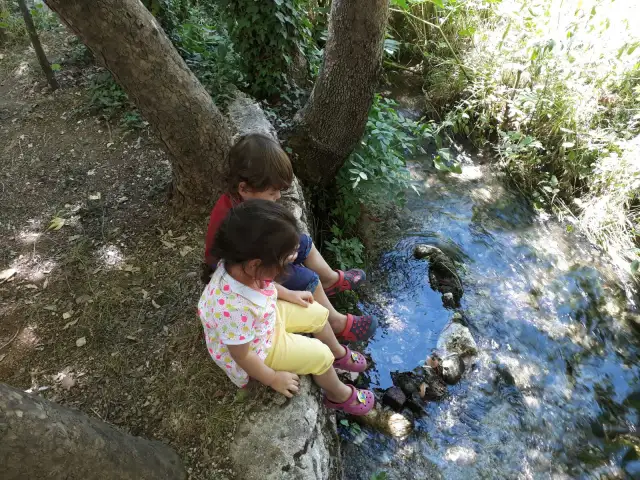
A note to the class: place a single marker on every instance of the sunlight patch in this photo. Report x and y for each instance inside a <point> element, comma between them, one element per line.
<point>110,256</point>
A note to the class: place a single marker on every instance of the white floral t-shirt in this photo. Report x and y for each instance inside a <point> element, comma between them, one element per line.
<point>233,314</point>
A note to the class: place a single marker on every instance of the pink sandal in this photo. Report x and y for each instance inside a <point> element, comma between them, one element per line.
<point>351,362</point>
<point>346,281</point>
<point>360,402</point>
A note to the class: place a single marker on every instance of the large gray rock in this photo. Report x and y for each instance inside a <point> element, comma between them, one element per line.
<point>457,339</point>
<point>293,439</point>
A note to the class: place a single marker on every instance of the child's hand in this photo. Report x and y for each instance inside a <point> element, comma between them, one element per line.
<point>285,383</point>
<point>301,298</point>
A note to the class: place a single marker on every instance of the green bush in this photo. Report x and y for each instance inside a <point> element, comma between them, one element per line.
<point>203,42</point>
<point>375,172</point>
<point>274,39</point>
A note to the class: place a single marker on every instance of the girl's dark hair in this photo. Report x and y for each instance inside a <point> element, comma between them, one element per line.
<point>257,229</point>
<point>260,161</point>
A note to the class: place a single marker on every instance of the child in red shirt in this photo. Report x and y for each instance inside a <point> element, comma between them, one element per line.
<point>259,168</point>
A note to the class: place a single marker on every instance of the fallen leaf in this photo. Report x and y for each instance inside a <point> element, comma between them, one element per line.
<point>423,390</point>
<point>91,172</point>
<point>73,238</point>
<point>7,274</point>
<point>53,308</point>
<point>67,315</point>
<point>56,223</point>
<point>2,357</point>
<point>95,196</point>
<point>153,302</point>
<point>31,286</point>
<point>145,294</point>
<point>109,144</point>
<point>45,284</point>
<point>132,338</point>
<point>168,244</point>
<point>82,341</point>
<point>70,324</point>
<point>123,199</point>
<point>181,238</point>
<point>185,250</point>
<point>130,268</point>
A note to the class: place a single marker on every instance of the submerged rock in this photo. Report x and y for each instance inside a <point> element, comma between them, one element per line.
<point>395,398</point>
<point>457,339</point>
<point>442,274</point>
<point>452,369</point>
<point>423,381</point>
<point>386,421</point>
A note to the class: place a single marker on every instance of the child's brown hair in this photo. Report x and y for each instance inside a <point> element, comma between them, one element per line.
<point>257,229</point>
<point>260,162</point>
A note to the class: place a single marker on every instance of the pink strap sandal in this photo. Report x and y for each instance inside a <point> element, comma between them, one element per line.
<point>360,402</point>
<point>346,281</point>
<point>351,362</point>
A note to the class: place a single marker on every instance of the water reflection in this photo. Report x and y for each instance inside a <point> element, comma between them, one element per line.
<point>546,314</point>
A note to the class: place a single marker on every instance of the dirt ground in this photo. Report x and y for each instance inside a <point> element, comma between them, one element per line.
<point>99,285</point>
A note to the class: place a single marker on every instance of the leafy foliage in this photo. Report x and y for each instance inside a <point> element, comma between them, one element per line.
<point>273,40</point>
<point>209,53</point>
<point>110,101</point>
<point>551,87</point>
<point>375,172</point>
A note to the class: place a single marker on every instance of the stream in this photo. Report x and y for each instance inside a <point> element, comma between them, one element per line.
<point>556,355</point>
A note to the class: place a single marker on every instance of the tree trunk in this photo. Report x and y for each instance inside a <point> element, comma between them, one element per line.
<point>126,38</point>
<point>37,46</point>
<point>42,440</point>
<point>332,122</point>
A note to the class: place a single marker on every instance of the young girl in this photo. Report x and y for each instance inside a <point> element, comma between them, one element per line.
<point>259,168</point>
<point>250,324</point>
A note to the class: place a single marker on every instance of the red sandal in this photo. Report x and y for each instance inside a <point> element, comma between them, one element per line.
<point>348,280</point>
<point>351,362</point>
<point>358,328</point>
<point>360,402</point>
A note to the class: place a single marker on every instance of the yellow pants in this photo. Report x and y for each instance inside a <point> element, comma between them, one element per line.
<point>296,353</point>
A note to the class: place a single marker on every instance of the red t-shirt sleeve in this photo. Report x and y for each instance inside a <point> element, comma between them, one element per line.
<point>218,214</point>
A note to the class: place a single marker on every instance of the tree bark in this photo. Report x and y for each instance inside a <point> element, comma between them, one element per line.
<point>42,440</point>
<point>37,46</point>
<point>126,38</point>
<point>332,122</point>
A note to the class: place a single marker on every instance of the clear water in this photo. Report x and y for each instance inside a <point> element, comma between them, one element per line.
<point>547,314</point>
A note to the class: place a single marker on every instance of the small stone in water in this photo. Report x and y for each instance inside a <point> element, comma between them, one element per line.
<point>448,300</point>
<point>452,369</point>
<point>395,398</point>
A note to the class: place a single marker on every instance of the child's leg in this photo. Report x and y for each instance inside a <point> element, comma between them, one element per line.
<point>335,390</point>
<point>316,262</point>
<point>327,337</point>
<point>337,320</point>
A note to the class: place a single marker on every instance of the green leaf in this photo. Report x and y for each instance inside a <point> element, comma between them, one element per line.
<point>401,3</point>
<point>438,3</point>
<point>55,67</point>
<point>344,422</point>
<point>634,266</point>
<point>56,223</point>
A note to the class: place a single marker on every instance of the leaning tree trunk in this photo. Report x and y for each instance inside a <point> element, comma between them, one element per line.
<point>126,38</point>
<point>37,46</point>
<point>42,440</point>
<point>332,122</point>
